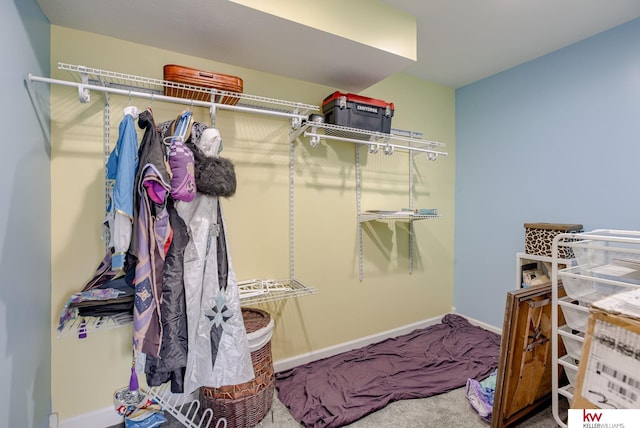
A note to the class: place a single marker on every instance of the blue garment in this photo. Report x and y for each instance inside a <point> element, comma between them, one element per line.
<point>121,171</point>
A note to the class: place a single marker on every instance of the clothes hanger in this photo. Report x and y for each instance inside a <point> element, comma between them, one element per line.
<point>150,107</point>
<point>131,109</point>
<point>180,128</point>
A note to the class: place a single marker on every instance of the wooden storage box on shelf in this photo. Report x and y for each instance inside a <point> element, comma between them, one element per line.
<point>181,75</point>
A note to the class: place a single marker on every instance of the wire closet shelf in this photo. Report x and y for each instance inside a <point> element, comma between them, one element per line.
<point>407,141</point>
<point>88,79</point>
<point>252,292</point>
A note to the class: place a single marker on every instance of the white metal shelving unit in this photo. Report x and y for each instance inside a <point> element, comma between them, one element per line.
<point>87,79</point>
<point>377,142</point>
<point>607,261</point>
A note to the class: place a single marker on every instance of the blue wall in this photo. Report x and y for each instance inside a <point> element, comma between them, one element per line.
<point>554,140</point>
<point>25,218</point>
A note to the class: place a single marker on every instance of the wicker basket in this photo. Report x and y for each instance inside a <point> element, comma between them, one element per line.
<point>246,404</point>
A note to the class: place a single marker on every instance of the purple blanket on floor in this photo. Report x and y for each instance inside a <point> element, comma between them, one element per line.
<point>338,390</point>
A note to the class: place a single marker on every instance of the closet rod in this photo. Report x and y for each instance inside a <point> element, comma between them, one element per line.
<point>151,96</point>
<point>373,143</point>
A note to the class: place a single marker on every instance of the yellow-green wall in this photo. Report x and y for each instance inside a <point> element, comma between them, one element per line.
<point>86,372</point>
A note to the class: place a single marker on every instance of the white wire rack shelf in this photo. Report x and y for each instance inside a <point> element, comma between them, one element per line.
<point>375,141</point>
<point>185,408</point>
<point>252,292</point>
<point>393,216</point>
<point>87,79</point>
<point>257,291</point>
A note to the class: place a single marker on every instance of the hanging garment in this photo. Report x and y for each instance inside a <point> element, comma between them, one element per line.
<point>167,129</point>
<point>215,176</point>
<point>171,362</point>
<point>121,171</point>
<point>218,346</point>
<point>152,233</point>
<point>183,185</point>
<point>172,359</point>
<point>106,278</point>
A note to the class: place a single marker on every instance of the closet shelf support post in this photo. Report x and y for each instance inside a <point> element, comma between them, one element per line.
<point>212,115</point>
<point>83,92</point>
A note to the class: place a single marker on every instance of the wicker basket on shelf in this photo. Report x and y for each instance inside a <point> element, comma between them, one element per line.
<point>246,404</point>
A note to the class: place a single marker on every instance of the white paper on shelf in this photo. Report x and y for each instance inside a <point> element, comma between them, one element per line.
<point>627,303</point>
<point>613,270</point>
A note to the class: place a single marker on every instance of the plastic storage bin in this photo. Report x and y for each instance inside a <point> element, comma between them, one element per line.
<point>356,111</point>
<point>572,342</point>
<point>588,284</point>
<point>570,368</point>
<point>575,315</point>
<point>597,253</point>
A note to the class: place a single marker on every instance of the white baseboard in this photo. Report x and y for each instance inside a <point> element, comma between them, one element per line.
<point>289,363</point>
<point>108,417</point>
<point>102,418</point>
<point>484,325</point>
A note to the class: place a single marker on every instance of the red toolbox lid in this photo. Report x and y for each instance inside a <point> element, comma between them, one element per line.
<point>358,99</point>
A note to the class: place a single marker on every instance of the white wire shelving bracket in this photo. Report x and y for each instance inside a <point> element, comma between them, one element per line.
<point>415,146</point>
<point>376,142</point>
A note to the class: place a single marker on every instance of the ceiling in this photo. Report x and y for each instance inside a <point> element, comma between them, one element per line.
<point>462,41</point>
<point>459,41</point>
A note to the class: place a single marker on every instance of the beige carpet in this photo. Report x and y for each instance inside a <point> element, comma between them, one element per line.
<point>445,410</point>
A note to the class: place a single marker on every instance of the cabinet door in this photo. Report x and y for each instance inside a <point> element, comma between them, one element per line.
<point>523,384</point>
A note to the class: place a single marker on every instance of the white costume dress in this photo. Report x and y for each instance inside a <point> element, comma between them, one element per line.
<point>218,352</point>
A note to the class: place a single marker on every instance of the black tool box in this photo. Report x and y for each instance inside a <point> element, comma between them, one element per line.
<point>356,111</point>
